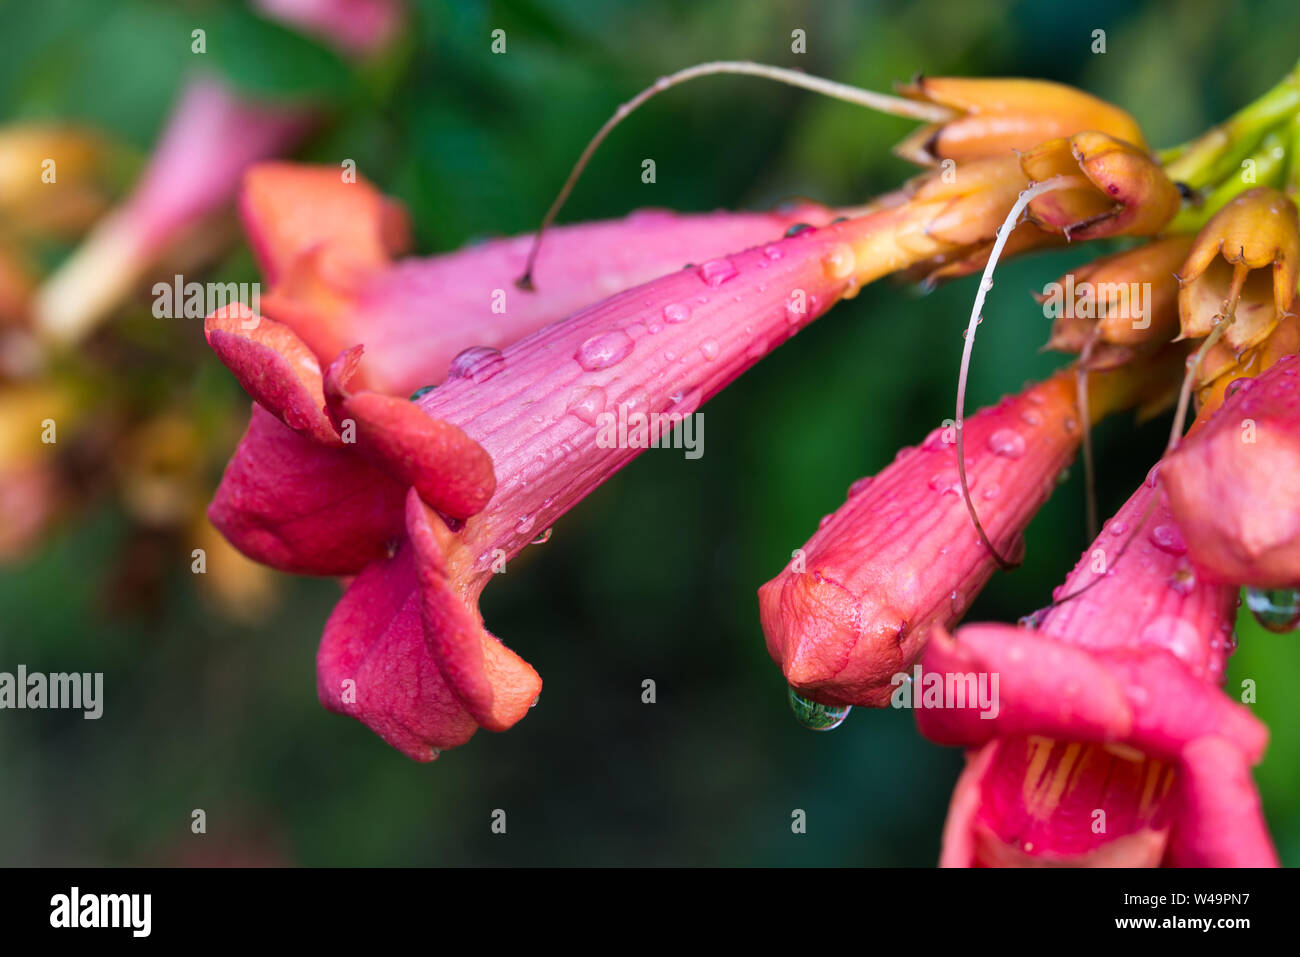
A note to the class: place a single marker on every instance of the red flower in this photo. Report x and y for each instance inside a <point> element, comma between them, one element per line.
<point>1110,743</point>
<point>855,605</point>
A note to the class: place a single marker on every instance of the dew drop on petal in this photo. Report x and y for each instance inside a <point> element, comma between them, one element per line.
<point>524,525</point>
<point>817,717</point>
<point>1007,443</point>
<point>604,350</point>
<point>709,349</point>
<point>1168,538</point>
<point>1243,384</point>
<point>588,404</point>
<point>677,312</point>
<point>422,392</point>
<point>772,252</point>
<point>717,271</point>
<point>1277,609</point>
<point>839,261</point>
<point>477,363</point>
<point>796,229</point>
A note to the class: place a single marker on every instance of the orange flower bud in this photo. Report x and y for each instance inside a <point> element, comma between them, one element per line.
<point>1122,190</point>
<point>1242,269</point>
<point>1126,300</point>
<point>999,116</point>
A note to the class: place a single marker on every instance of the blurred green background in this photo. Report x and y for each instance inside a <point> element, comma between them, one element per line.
<point>654,576</point>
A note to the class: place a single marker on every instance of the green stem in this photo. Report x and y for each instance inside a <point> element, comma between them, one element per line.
<point>1217,152</point>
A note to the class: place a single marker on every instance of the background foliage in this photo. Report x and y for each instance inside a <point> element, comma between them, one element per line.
<point>654,576</point>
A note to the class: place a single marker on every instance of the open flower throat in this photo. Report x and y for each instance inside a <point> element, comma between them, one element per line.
<point>417,456</point>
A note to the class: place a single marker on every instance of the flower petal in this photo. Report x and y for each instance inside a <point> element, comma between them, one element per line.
<point>1044,688</point>
<point>448,468</point>
<point>1220,822</point>
<point>374,665</point>
<point>304,508</point>
<point>494,684</point>
<point>274,366</point>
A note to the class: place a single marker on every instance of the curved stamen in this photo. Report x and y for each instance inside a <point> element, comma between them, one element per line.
<point>986,283</point>
<point>894,105</point>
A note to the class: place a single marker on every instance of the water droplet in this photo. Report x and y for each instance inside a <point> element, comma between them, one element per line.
<point>1118,528</point>
<point>817,717</point>
<point>990,493</point>
<point>860,485</point>
<point>543,538</point>
<point>796,229</point>
<point>1277,609</point>
<point>717,271</point>
<point>525,524</point>
<point>709,349</point>
<point>588,404</point>
<point>839,262</point>
<point>676,312</point>
<point>1007,443</point>
<point>477,363</point>
<point>425,390</point>
<point>1243,384</point>
<point>1031,418</point>
<point>1168,538</point>
<point>772,252</point>
<point>605,350</point>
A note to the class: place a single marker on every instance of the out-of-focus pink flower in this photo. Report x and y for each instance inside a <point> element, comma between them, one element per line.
<point>1234,483</point>
<point>1110,742</point>
<point>356,27</point>
<point>210,138</point>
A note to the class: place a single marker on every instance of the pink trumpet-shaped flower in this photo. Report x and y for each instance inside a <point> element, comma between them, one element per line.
<point>427,499</point>
<point>1110,743</point>
<point>1234,483</point>
<point>325,247</point>
<point>356,27</point>
<point>855,605</point>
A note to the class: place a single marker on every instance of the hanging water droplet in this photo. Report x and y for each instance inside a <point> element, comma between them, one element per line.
<point>796,229</point>
<point>477,363</point>
<point>604,350</point>
<point>1007,443</point>
<point>543,538</point>
<point>717,271</point>
<point>817,717</point>
<point>1277,609</point>
<point>425,390</point>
